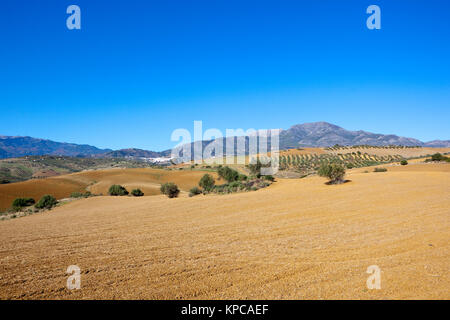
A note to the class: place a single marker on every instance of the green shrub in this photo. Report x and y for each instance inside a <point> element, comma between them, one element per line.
<point>137,193</point>
<point>379,170</point>
<point>206,182</point>
<point>194,191</point>
<point>22,202</point>
<point>255,168</point>
<point>269,178</point>
<point>235,184</point>
<point>228,174</point>
<point>170,189</point>
<point>117,190</point>
<point>46,202</point>
<point>403,162</point>
<point>333,171</point>
<point>439,157</point>
<point>76,195</point>
<point>242,177</point>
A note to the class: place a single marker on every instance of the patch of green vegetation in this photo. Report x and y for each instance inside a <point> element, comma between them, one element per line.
<point>117,190</point>
<point>46,202</point>
<point>228,174</point>
<point>333,171</point>
<point>194,191</point>
<point>137,193</point>
<point>206,182</point>
<point>20,203</point>
<point>170,189</point>
<point>77,195</point>
<point>438,157</point>
<point>309,163</point>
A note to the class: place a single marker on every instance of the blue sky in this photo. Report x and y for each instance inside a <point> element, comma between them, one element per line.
<point>137,70</point>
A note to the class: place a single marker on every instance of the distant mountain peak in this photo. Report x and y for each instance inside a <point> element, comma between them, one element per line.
<point>325,134</point>
<point>311,134</point>
<point>19,146</point>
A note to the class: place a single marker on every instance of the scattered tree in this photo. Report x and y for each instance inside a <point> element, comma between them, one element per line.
<point>333,171</point>
<point>228,174</point>
<point>194,191</point>
<point>46,202</point>
<point>206,182</point>
<point>170,189</point>
<point>19,203</point>
<point>117,190</point>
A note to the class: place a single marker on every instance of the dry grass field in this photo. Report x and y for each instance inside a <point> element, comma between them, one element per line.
<point>98,182</point>
<point>297,239</point>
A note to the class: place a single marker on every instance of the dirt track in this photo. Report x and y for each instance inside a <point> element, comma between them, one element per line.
<point>297,239</point>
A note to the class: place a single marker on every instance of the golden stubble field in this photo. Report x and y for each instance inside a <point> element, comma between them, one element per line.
<point>297,239</point>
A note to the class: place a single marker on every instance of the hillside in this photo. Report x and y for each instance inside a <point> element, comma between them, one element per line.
<point>297,239</point>
<point>14,147</point>
<point>98,182</point>
<point>29,167</point>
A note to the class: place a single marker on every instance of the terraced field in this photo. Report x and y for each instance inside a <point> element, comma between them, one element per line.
<point>297,239</point>
<point>308,160</point>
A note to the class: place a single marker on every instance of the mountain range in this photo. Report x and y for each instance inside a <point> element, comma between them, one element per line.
<point>315,134</point>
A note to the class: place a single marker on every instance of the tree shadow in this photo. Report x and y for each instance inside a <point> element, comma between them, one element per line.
<point>331,183</point>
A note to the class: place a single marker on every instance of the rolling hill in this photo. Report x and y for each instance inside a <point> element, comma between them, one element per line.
<point>297,239</point>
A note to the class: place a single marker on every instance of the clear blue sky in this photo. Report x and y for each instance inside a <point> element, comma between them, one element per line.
<point>138,69</point>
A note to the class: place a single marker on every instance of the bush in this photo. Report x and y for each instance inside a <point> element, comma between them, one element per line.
<point>76,195</point>
<point>403,162</point>
<point>170,189</point>
<point>228,174</point>
<point>117,190</point>
<point>22,202</point>
<point>46,202</point>
<point>333,171</point>
<point>242,177</point>
<point>379,170</point>
<point>137,193</point>
<point>235,184</point>
<point>194,191</point>
<point>269,178</point>
<point>439,157</point>
<point>207,182</point>
<point>255,168</point>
